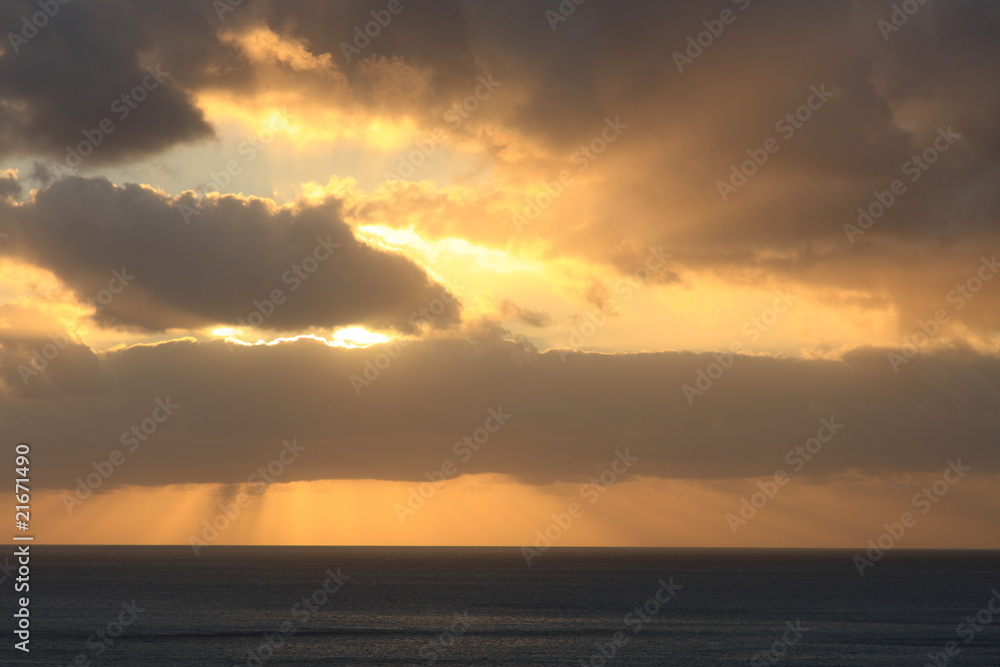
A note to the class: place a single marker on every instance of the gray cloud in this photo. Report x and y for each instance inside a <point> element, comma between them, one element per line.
<point>72,74</point>
<point>566,417</point>
<point>10,186</point>
<point>657,186</point>
<point>532,318</point>
<point>192,263</point>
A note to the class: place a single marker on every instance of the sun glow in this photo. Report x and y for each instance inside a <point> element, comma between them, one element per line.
<point>358,337</point>
<point>348,337</point>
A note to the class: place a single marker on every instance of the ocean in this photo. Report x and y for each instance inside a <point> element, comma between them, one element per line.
<point>294,606</point>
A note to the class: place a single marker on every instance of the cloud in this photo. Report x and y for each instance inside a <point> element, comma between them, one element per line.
<point>214,261</point>
<point>181,263</point>
<point>566,417</point>
<point>262,45</point>
<point>883,104</point>
<point>39,359</point>
<point>90,64</point>
<point>532,318</point>
<point>10,186</point>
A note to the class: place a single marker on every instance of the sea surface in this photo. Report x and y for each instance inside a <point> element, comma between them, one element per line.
<point>484,606</point>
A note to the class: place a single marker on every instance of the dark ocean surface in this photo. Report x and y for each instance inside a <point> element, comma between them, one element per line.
<point>485,606</point>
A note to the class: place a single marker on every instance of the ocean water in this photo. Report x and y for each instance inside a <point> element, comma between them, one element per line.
<point>471,606</point>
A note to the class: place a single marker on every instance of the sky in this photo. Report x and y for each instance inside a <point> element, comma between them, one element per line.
<point>571,273</point>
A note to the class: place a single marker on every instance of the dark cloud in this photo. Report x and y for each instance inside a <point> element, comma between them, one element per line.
<point>151,262</point>
<point>607,59</point>
<point>566,416</point>
<point>58,84</point>
<point>84,76</point>
<point>10,186</point>
<point>656,185</point>
<point>432,35</point>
